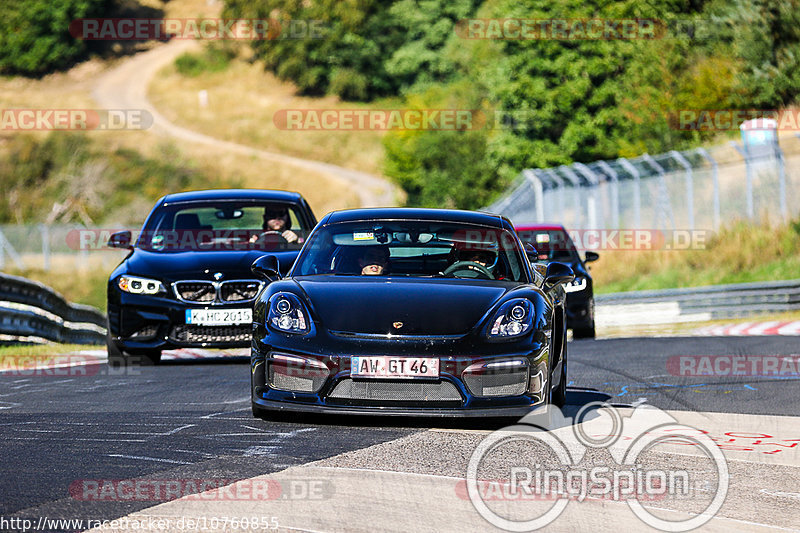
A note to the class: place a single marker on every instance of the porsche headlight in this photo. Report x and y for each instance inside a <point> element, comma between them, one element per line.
<point>576,285</point>
<point>287,313</point>
<point>513,319</point>
<point>136,285</point>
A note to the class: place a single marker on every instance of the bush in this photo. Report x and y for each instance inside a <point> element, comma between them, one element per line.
<point>34,34</point>
<point>64,178</point>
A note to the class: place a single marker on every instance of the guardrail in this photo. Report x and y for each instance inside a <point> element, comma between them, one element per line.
<point>33,312</point>
<point>697,304</point>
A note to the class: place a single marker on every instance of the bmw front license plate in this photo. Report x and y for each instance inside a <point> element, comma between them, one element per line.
<point>219,317</point>
<point>394,367</point>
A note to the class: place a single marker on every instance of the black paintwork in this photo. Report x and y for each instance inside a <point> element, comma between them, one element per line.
<point>128,313</point>
<point>444,318</point>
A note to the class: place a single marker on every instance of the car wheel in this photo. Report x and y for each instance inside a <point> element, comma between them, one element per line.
<point>559,395</point>
<point>145,357</point>
<point>258,412</point>
<point>116,358</point>
<point>583,333</point>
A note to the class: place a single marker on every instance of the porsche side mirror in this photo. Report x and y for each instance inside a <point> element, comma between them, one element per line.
<point>266,267</point>
<point>557,273</point>
<point>120,239</point>
<point>591,256</point>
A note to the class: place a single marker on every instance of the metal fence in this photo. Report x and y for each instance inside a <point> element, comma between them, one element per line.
<point>55,247</point>
<point>32,312</point>
<point>693,189</point>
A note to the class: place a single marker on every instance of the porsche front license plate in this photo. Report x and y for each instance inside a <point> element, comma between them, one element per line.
<point>219,317</point>
<point>394,367</point>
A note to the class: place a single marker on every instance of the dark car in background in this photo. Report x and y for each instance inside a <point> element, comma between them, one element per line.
<point>187,280</point>
<point>410,312</point>
<point>552,242</point>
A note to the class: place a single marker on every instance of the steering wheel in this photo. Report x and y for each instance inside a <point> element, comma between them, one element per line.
<point>470,267</point>
<point>272,236</point>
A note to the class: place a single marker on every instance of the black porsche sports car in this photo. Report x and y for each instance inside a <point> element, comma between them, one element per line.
<point>187,281</point>
<point>409,311</point>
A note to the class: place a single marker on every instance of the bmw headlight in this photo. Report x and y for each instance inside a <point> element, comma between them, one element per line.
<point>136,285</point>
<point>576,285</point>
<point>287,314</point>
<point>513,319</point>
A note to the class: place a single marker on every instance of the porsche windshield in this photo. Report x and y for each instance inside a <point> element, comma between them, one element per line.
<point>412,249</point>
<point>224,225</point>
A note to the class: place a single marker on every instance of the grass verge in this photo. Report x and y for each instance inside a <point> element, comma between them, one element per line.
<point>739,253</point>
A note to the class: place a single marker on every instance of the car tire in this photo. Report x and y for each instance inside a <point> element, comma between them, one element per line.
<point>145,358</point>
<point>258,412</point>
<point>583,333</point>
<point>116,357</point>
<point>559,395</point>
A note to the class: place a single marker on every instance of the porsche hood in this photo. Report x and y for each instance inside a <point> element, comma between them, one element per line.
<point>401,307</point>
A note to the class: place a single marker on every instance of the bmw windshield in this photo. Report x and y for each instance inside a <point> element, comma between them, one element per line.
<point>224,225</point>
<point>412,249</point>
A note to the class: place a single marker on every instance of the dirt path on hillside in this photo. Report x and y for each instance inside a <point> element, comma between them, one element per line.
<point>125,87</point>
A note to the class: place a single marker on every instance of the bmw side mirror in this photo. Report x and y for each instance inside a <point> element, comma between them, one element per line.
<point>591,256</point>
<point>266,267</point>
<point>557,273</point>
<point>120,239</point>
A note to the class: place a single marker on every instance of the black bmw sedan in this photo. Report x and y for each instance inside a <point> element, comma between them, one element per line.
<point>187,281</point>
<point>409,311</point>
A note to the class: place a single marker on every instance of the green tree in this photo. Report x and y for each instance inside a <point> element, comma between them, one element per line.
<point>35,37</point>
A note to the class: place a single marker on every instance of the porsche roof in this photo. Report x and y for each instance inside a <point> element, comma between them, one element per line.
<point>411,213</point>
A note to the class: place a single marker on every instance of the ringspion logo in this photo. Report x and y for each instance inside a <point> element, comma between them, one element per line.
<point>543,465</point>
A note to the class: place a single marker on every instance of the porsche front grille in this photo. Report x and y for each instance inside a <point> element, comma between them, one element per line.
<point>396,391</point>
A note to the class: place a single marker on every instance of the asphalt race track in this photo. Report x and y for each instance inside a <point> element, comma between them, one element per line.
<point>190,420</point>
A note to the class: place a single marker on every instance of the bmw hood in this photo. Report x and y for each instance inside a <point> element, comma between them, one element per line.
<point>174,266</point>
<point>399,306</point>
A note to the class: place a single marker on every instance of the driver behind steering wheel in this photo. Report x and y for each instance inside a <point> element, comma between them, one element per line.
<point>474,262</point>
<point>483,258</point>
<point>277,222</point>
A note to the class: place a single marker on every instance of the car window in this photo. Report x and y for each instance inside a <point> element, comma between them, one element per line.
<point>551,245</point>
<point>412,249</point>
<point>216,226</point>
